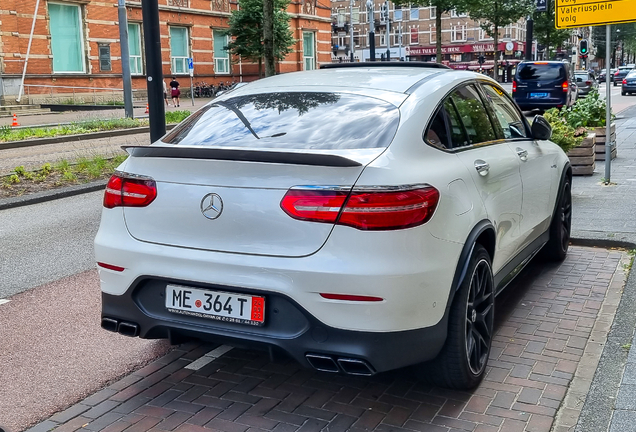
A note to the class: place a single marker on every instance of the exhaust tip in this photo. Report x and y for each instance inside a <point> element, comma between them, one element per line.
<point>356,367</point>
<point>322,363</point>
<point>128,329</point>
<point>109,324</point>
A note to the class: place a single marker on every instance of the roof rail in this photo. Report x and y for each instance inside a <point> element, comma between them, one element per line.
<point>384,64</point>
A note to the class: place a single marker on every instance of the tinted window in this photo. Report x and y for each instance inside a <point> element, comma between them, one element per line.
<point>457,132</point>
<point>632,74</point>
<point>437,134</point>
<point>581,77</point>
<point>508,120</point>
<point>473,115</point>
<point>538,71</point>
<point>294,120</point>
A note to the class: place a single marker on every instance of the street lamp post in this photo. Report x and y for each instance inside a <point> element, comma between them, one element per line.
<point>371,31</point>
<point>352,47</point>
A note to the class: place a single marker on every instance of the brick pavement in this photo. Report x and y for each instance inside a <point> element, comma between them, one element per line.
<point>545,321</point>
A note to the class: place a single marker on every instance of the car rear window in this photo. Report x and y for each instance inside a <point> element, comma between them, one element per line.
<point>541,71</point>
<point>291,120</point>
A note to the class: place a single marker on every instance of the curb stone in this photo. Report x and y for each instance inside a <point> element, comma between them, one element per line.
<point>50,195</point>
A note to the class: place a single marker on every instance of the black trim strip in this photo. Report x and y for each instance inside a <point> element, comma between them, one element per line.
<point>242,155</point>
<point>420,64</point>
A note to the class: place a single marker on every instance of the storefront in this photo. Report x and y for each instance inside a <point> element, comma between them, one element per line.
<point>465,57</point>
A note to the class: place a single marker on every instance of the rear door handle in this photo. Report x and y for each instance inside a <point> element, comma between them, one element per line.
<point>482,167</point>
<point>523,154</point>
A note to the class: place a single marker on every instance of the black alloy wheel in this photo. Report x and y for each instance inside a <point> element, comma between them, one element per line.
<point>556,248</point>
<point>479,317</point>
<point>461,364</point>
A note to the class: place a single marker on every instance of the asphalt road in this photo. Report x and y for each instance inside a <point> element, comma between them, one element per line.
<point>44,242</point>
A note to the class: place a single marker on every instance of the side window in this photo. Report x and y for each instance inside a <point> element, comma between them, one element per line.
<point>507,118</point>
<point>457,133</point>
<point>473,115</point>
<point>437,135</point>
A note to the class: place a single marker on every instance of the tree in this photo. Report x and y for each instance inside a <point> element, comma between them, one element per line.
<point>246,28</point>
<point>544,31</point>
<point>496,14</point>
<point>441,6</point>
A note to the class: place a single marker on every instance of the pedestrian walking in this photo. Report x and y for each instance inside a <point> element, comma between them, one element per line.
<point>175,92</point>
<point>165,93</point>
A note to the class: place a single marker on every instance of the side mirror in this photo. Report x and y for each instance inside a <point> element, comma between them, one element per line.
<point>541,129</point>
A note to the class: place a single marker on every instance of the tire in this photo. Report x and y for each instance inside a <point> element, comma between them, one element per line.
<point>623,93</point>
<point>556,248</point>
<point>462,361</point>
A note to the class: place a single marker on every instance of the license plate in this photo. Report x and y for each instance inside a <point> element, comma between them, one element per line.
<point>538,95</point>
<point>216,305</point>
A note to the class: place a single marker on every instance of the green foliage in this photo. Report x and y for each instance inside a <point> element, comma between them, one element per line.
<point>563,134</point>
<point>246,30</point>
<point>587,112</point>
<point>13,179</point>
<point>19,170</point>
<point>176,116</point>
<point>69,176</point>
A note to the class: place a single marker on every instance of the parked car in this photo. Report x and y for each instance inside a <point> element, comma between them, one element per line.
<point>360,218</point>
<point>621,73</point>
<point>601,75</point>
<point>628,85</point>
<point>544,85</point>
<point>585,83</point>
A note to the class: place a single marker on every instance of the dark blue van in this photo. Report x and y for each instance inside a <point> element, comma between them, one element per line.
<point>543,85</point>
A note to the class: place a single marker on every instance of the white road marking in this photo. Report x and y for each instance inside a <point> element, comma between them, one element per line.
<point>3,301</point>
<point>209,357</point>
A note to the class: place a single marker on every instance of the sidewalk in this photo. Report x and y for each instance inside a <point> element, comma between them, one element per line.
<point>75,116</point>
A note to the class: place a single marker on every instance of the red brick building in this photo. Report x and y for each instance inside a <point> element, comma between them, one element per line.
<point>76,43</point>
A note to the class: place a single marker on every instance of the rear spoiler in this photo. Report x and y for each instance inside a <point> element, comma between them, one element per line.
<point>291,158</point>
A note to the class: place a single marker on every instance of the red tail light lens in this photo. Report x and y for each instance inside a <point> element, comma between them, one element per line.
<point>565,86</point>
<point>588,82</point>
<point>624,81</point>
<point>514,86</point>
<point>127,191</point>
<point>365,209</point>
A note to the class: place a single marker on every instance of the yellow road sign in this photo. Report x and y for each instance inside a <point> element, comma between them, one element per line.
<point>582,13</point>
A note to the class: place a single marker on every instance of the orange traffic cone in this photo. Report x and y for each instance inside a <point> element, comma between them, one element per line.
<point>147,109</point>
<point>15,120</point>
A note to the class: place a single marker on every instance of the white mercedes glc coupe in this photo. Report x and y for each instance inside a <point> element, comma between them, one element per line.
<point>359,218</point>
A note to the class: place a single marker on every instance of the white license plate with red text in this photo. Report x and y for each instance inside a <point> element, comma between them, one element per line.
<point>216,305</point>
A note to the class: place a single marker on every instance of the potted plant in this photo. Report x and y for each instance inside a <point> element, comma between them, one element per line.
<point>577,143</point>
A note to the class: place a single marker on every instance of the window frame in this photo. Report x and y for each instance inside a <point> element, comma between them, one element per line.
<point>138,58</point>
<point>313,56</point>
<point>182,59</point>
<point>440,104</point>
<point>81,37</point>
<point>225,61</point>
<point>417,34</point>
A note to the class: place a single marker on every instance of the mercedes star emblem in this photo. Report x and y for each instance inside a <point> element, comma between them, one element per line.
<point>211,206</point>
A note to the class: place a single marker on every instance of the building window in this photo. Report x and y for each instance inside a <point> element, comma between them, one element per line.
<point>415,14</point>
<point>454,13</point>
<point>355,16</point>
<point>382,38</point>
<point>221,55</point>
<point>67,43</point>
<point>104,57</point>
<point>433,12</point>
<point>414,36</point>
<point>483,35</point>
<point>341,17</point>
<point>458,33</point>
<point>397,15</point>
<point>356,38</point>
<point>134,49</point>
<point>342,40</point>
<point>309,50</point>
<point>179,49</point>
<point>433,35</point>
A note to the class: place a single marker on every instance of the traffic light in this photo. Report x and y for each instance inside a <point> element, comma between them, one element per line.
<point>481,60</point>
<point>583,47</point>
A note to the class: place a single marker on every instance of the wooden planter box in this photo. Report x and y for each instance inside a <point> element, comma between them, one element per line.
<point>582,157</point>
<point>600,141</point>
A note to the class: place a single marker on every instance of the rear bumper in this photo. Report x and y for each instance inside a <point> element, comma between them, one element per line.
<point>628,88</point>
<point>288,328</point>
<point>528,104</point>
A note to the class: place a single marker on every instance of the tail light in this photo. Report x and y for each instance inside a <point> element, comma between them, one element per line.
<point>624,81</point>
<point>381,208</point>
<point>514,86</point>
<point>124,190</point>
<point>588,82</point>
<point>565,86</point>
